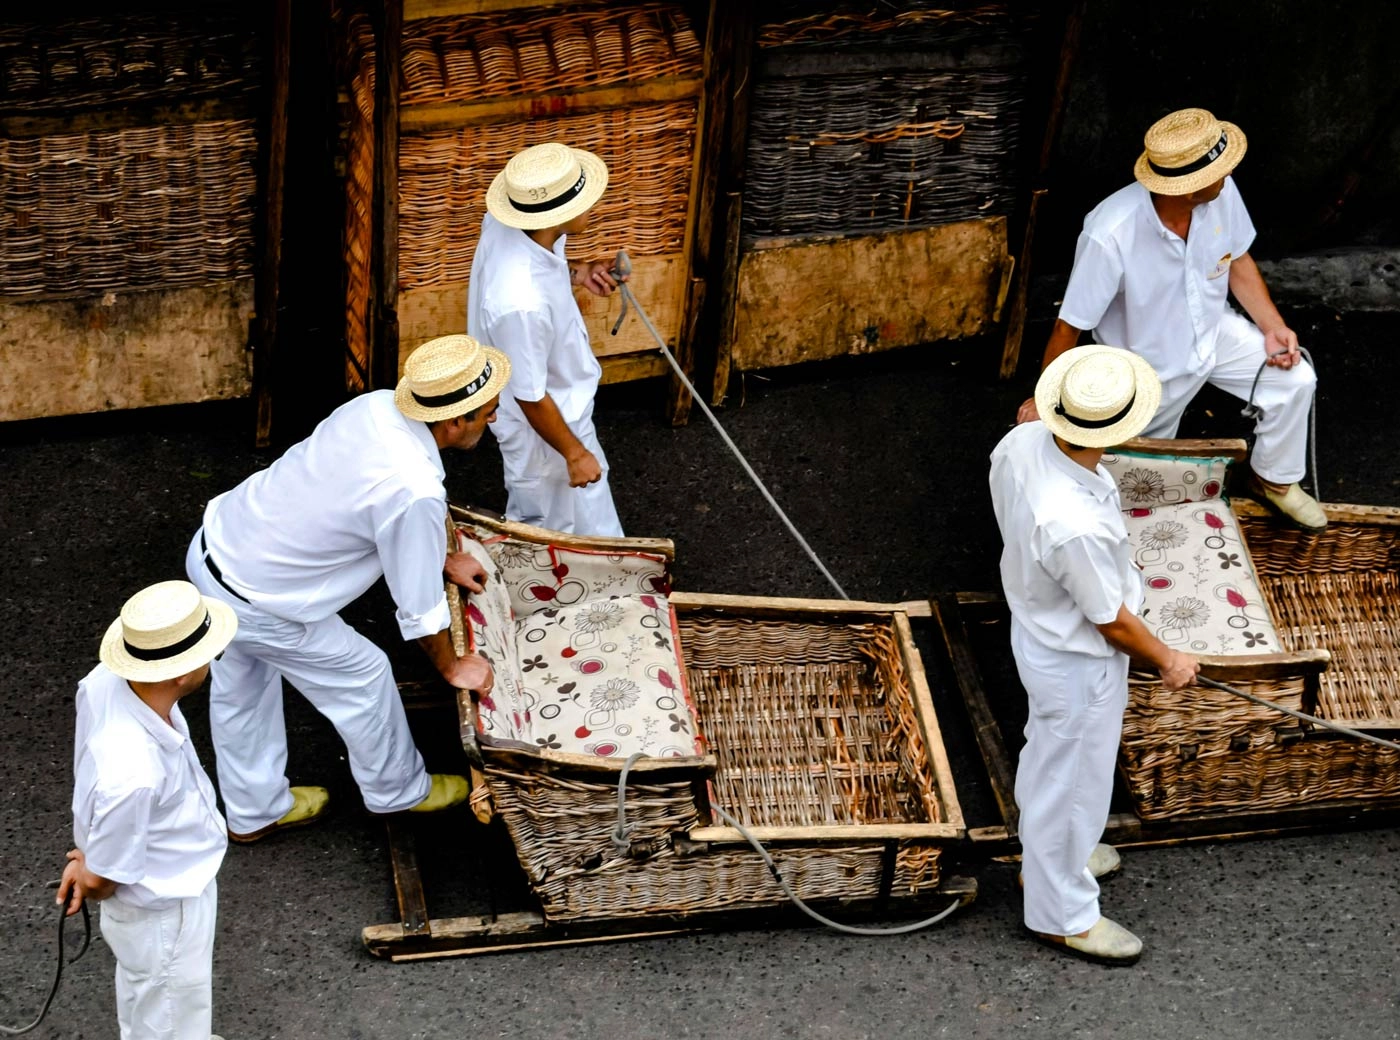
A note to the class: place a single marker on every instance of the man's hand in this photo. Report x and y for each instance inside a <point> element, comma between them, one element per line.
<point>465,570</point>
<point>1281,346</point>
<point>596,277</point>
<point>79,883</point>
<point>583,468</point>
<point>472,672</point>
<point>1027,412</point>
<point>1178,670</point>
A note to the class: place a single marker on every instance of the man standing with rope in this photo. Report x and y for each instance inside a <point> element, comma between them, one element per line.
<point>1152,270</point>
<point>520,299</point>
<point>1074,592</point>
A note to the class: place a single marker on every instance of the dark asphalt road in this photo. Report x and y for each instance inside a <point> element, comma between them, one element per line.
<point>882,462</point>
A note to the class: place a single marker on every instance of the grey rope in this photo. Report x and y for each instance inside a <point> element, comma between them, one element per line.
<point>619,839</point>
<point>1253,411</point>
<point>623,266</point>
<point>1304,716</point>
<point>58,966</point>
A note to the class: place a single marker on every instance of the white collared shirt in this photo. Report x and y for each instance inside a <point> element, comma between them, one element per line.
<point>520,300</point>
<point>1139,286</point>
<point>1066,565</point>
<point>361,497</point>
<point>144,812</point>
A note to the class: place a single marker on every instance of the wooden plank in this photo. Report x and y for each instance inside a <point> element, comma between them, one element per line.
<point>627,368</point>
<point>990,742</point>
<point>527,532</point>
<point>771,606</point>
<point>416,9</point>
<point>384,254</point>
<point>928,720</point>
<point>1337,512</point>
<point>729,296</point>
<point>79,120</point>
<point>833,833</point>
<point>408,884</point>
<point>274,184</point>
<point>1020,291</point>
<point>515,108</point>
<point>865,293</point>
<point>592,768</point>
<point>1232,448</point>
<point>125,350</point>
<point>466,936</point>
<point>659,283</point>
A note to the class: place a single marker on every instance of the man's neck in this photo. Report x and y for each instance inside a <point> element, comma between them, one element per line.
<point>1086,457</point>
<point>159,697</point>
<point>546,237</point>
<point>1174,211</point>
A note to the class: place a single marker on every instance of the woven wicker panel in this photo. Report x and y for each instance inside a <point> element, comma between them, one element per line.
<point>813,724</point>
<point>202,50</point>
<point>795,23</point>
<point>860,151</point>
<point>1338,590</point>
<point>111,210</point>
<point>515,52</point>
<point>443,177</point>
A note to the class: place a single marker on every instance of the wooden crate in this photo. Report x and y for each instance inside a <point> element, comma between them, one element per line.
<point>133,152</point>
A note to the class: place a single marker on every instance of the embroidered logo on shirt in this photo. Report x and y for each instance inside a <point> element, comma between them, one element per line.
<point>1221,267</point>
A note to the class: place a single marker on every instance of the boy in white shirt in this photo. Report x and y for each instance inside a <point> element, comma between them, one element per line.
<point>148,833</point>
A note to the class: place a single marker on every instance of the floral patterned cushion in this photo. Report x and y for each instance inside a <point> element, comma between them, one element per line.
<point>1201,593</point>
<point>604,678</point>
<point>550,576</point>
<point>1159,480</point>
<point>490,625</point>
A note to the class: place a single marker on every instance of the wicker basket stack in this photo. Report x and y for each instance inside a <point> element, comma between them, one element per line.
<point>154,206</point>
<point>864,119</point>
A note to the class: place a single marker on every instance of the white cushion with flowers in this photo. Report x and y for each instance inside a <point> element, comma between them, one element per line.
<point>490,625</point>
<point>1202,596</point>
<point>539,576</point>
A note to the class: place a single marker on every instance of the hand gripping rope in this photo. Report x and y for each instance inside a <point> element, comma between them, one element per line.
<point>58,967</point>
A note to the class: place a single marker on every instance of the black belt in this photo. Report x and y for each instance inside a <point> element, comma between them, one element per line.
<point>214,571</point>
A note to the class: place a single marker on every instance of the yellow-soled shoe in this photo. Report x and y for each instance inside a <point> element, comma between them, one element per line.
<point>1292,504</point>
<point>1108,942</point>
<point>1104,862</point>
<point>308,806</point>
<point>448,790</point>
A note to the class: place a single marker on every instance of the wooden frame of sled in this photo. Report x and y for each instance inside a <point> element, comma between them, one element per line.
<point>819,732</point>
<point>1204,765</point>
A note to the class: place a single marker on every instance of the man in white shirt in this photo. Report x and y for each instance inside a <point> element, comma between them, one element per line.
<point>1074,594</point>
<point>1152,270</point>
<point>287,549</point>
<point>149,838</point>
<point>520,299</point>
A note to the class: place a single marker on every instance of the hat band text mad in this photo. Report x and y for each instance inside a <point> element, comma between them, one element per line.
<point>160,653</point>
<point>1199,164</point>
<point>554,203</point>
<point>1095,424</point>
<point>460,394</point>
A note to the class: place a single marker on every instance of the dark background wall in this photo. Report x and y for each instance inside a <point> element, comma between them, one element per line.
<point>1315,86</point>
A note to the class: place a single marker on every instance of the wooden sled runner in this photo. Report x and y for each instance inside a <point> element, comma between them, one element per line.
<point>808,720</point>
<point>1304,620</point>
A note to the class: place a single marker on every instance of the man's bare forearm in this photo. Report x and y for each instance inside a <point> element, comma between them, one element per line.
<point>439,649</point>
<point>546,420</point>
<point>1247,283</point>
<point>1062,337</point>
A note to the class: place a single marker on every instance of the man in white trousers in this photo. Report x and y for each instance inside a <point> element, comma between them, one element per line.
<point>287,549</point>
<point>149,838</point>
<point>520,299</point>
<point>1074,594</point>
<point>1152,270</point>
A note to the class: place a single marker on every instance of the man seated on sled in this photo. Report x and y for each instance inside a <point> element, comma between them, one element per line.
<point>1074,593</point>
<point>1151,272</point>
<point>287,549</point>
<point>520,298</point>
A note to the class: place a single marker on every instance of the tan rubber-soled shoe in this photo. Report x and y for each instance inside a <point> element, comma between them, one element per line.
<point>1106,943</point>
<point>308,806</point>
<point>1293,504</point>
<point>448,790</point>
<point>1104,862</point>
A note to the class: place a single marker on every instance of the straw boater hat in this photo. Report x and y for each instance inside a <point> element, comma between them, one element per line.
<point>165,631</point>
<point>545,186</point>
<point>449,376</point>
<point>1188,150</point>
<point>1096,396</point>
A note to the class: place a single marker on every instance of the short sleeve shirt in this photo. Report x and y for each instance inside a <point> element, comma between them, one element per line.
<point>360,498</point>
<point>1138,285</point>
<point>144,812</point>
<point>520,300</point>
<point>1066,565</point>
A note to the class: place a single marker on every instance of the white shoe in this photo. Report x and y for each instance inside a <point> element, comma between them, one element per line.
<point>1104,861</point>
<point>1106,943</point>
<point>1293,504</point>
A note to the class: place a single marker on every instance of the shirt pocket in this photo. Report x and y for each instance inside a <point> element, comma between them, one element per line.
<point>1221,268</point>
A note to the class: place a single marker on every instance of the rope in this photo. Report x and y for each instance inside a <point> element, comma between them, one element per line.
<point>1253,411</point>
<point>623,266</point>
<point>1302,715</point>
<point>58,969</point>
<point>619,839</point>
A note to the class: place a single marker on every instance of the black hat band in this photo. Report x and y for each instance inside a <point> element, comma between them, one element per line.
<point>160,653</point>
<point>1192,167</point>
